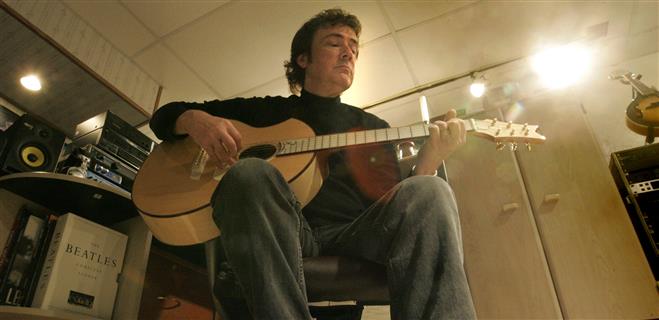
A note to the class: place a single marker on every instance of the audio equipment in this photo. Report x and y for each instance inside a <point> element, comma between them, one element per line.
<point>30,145</point>
<point>636,173</point>
<point>115,136</point>
<point>93,163</point>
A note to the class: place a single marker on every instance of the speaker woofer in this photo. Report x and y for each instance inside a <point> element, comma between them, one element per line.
<point>33,157</point>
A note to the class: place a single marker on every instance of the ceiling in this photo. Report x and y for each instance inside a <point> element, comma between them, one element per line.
<point>201,50</point>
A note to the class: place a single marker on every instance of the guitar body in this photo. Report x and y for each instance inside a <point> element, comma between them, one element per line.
<point>176,206</point>
<point>643,115</point>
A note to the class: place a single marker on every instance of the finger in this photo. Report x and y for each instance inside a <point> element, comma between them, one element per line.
<point>450,114</point>
<point>218,154</point>
<point>228,144</point>
<point>442,129</point>
<point>237,138</point>
<point>454,130</point>
<point>433,129</point>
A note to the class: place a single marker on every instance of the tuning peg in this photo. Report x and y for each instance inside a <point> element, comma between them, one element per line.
<point>528,146</point>
<point>493,122</point>
<point>510,124</point>
<point>500,146</point>
<point>513,146</point>
<point>636,76</point>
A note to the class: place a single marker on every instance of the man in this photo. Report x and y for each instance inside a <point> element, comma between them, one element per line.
<point>363,208</point>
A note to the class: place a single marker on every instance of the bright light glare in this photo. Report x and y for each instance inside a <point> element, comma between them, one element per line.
<point>477,89</point>
<point>562,66</point>
<point>31,82</point>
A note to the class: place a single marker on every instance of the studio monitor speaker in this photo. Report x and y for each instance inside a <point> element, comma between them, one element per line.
<point>30,145</point>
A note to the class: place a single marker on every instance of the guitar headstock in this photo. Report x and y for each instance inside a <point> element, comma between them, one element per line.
<point>633,79</point>
<point>507,132</point>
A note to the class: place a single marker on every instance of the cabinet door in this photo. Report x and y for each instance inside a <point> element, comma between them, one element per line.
<point>173,289</point>
<point>504,260</point>
<point>594,256</point>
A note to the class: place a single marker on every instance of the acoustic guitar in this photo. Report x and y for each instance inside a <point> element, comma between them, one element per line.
<point>173,188</point>
<point>642,114</point>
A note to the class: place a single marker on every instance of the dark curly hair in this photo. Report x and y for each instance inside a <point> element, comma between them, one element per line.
<point>303,37</point>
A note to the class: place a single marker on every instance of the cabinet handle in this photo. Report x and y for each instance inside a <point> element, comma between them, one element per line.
<point>176,304</point>
<point>553,197</point>
<point>510,207</point>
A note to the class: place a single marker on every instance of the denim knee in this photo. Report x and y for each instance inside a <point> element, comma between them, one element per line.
<point>431,193</point>
<point>248,174</point>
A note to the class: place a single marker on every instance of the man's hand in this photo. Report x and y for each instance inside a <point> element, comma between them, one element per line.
<point>216,135</point>
<point>445,137</point>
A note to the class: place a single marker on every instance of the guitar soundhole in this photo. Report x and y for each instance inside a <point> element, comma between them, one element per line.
<point>264,151</point>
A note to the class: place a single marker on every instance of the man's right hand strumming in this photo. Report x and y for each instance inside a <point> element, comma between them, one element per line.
<point>216,135</point>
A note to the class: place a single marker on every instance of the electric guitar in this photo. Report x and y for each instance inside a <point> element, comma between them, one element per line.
<point>642,114</point>
<point>173,188</point>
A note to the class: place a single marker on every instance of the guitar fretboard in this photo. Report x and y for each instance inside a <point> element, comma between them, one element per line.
<point>340,140</point>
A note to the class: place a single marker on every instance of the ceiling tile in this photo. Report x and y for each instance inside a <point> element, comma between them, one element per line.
<point>163,17</point>
<point>115,23</point>
<point>258,59</point>
<point>645,16</point>
<point>380,73</point>
<point>410,12</point>
<point>493,32</point>
<point>179,83</point>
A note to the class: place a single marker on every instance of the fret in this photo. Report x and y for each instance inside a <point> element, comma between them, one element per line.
<point>342,140</point>
<point>351,138</point>
<point>404,132</point>
<point>426,131</point>
<point>305,145</point>
<point>296,146</point>
<point>418,130</point>
<point>380,135</point>
<point>369,136</point>
<point>392,134</point>
<point>319,143</point>
<point>326,142</point>
<point>360,136</point>
<point>333,141</point>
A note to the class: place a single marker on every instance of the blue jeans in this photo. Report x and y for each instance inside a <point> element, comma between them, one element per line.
<point>413,230</point>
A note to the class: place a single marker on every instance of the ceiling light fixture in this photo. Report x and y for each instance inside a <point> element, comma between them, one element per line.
<point>31,82</point>
<point>477,87</point>
<point>560,67</point>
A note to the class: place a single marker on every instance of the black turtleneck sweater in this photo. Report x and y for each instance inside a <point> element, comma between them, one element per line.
<point>357,176</point>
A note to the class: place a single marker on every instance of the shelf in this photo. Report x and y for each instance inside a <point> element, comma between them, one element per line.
<point>62,193</point>
<point>25,313</point>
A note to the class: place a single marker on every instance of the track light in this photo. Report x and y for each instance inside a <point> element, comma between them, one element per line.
<point>477,87</point>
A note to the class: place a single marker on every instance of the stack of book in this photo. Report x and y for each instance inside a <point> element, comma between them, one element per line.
<point>61,263</point>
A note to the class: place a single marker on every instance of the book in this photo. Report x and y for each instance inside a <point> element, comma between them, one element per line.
<point>19,223</point>
<point>81,269</point>
<point>39,259</point>
<point>13,288</point>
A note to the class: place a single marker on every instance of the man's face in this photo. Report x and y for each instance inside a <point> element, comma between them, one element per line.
<point>331,68</point>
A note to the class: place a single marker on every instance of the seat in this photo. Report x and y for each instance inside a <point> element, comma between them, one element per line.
<point>328,278</point>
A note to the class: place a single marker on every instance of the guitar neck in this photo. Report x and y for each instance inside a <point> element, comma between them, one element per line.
<point>356,138</point>
<point>640,87</point>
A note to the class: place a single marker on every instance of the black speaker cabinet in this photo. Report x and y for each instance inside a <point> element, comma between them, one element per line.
<point>30,145</point>
<point>636,173</point>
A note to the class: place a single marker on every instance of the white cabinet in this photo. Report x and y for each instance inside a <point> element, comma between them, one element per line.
<point>546,233</point>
